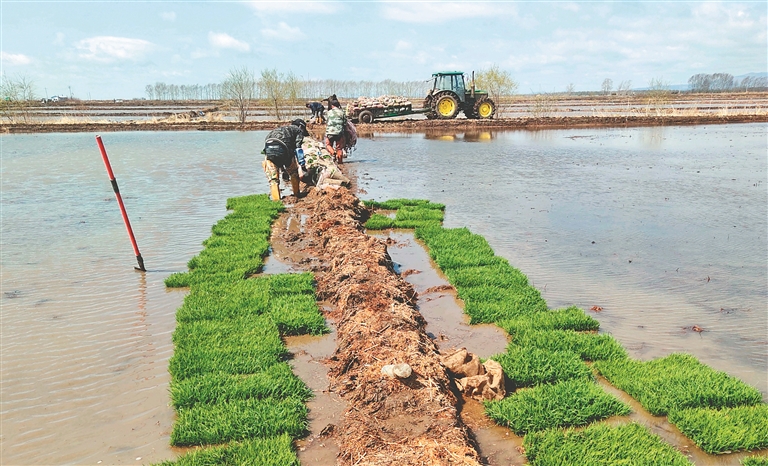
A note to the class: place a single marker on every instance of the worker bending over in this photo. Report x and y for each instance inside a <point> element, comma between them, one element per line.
<point>318,111</point>
<point>282,153</point>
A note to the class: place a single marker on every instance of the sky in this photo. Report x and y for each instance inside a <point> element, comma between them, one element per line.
<point>113,49</point>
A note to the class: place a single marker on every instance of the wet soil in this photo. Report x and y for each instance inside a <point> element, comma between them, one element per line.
<point>414,420</point>
<point>406,125</point>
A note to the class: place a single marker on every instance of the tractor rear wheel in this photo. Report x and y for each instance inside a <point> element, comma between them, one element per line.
<point>484,108</point>
<point>446,106</point>
<point>431,115</point>
<point>366,116</point>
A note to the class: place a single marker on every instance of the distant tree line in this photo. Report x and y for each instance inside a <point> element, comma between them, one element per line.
<point>498,82</point>
<point>305,89</point>
<point>163,91</point>
<point>721,82</point>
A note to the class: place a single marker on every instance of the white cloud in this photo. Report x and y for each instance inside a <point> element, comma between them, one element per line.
<point>108,48</point>
<point>439,12</point>
<point>301,6</point>
<point>283,32</point>
<point>59,40</point>
<point>225,41</point>
<point>168,16</point>
<point>14,59</point>
<point>402,46</point>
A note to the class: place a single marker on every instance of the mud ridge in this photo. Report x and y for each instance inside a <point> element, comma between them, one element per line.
<point>411,421</point>
<point>402,125</point>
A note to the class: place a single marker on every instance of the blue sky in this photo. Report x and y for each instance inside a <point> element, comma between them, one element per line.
<point>103,49</point>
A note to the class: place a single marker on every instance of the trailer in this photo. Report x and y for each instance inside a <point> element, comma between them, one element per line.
<point>371,113</point>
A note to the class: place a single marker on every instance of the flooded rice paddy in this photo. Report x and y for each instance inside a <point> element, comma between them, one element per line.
<point>663,229</point>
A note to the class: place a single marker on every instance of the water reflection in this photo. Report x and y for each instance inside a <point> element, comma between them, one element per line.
<point>448,135</point>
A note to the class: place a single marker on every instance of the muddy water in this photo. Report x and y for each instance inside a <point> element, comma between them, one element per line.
<point>85,338</point>
<point>449,327</point>
<point>664,228</point>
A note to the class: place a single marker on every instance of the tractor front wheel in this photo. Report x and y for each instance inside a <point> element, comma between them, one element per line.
<point>485,108</point>
<point>446,106</point>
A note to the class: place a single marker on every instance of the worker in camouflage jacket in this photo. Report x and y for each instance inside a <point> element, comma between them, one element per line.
<point>334,129</point>
<point>282,153</point>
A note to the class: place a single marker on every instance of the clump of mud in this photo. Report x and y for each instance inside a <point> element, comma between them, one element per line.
<point>389,420</point>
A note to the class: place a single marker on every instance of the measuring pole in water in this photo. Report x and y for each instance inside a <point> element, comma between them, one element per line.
<point>120,202</point>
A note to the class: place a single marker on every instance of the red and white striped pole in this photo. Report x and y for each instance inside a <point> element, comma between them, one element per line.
<point>120,202</point>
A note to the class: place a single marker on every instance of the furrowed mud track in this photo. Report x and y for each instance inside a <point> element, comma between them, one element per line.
<point>412,421</point>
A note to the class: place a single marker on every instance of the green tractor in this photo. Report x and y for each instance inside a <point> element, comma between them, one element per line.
<point>449,96</point>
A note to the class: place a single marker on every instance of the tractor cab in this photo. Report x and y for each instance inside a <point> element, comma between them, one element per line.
<point>449,81</point>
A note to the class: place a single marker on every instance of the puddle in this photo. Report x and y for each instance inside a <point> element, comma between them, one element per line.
<point>497,445</point>
<point>326,408</point>
<point>449,327</point>
<point>281,259</point>
<point>446,322</point>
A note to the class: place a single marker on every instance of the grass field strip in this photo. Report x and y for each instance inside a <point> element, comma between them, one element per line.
<point>233,391</point>
<point>546,359</point>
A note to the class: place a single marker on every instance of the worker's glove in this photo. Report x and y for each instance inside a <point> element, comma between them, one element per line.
<point>304,168</point>
<point>286,176</point>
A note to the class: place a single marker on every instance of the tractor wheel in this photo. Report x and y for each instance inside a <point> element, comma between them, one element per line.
<point>366,116</point>
<point>446,106</point>
<point>485,108</point>
<point>469,112</point>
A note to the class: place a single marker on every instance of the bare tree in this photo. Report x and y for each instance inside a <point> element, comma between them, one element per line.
<point>271,89</point>
<point>607,85</point>
<point>239,89</point>
<point>543,105</point>
<point>497,82</point>
<point>17,96</point>
<point>624,87</point>
<point>658,96</point>
<point>570,89</point>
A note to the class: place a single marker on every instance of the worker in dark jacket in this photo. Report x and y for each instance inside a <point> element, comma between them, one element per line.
<point>282,152</point>
<point>318,111</point>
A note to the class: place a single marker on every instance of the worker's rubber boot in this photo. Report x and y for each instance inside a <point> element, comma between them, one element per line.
<point>295,184</point>
<point>274,190</point>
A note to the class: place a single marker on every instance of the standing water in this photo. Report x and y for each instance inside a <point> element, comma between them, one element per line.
<point>85,338</point>
<point>663,228</point>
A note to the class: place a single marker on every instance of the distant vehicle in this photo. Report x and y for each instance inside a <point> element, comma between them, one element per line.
<point>449,96</point>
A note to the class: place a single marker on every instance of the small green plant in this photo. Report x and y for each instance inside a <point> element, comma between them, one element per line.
<point>727,429</point>
<point>241,346</point>
<point>599,445</point>
<point>571,318</point>
<point>277,381</point>
<point>589,346</point>
<point>239,420</point>
<point>395,204</point>
<point>527,367</point>
<point>755,461</point>
<point>267,451</point>
<point>379,222</point>
<point>567,404</point>
<point>677,381</point>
